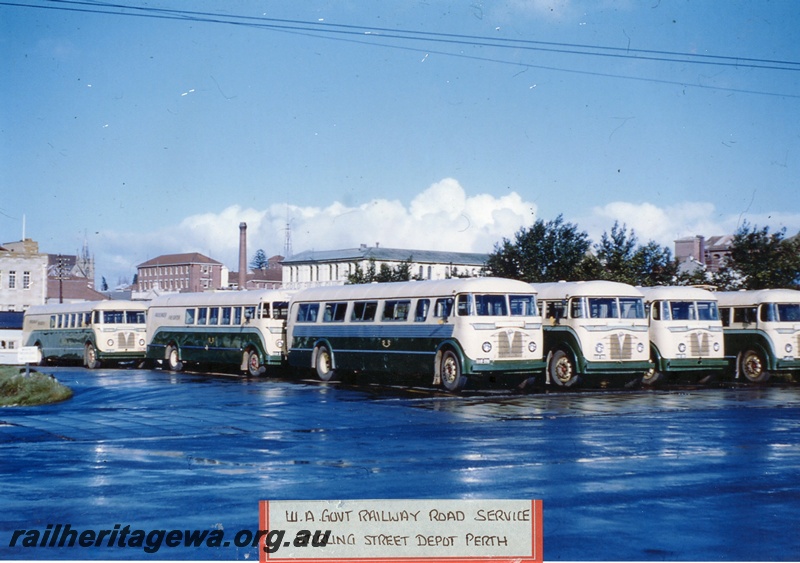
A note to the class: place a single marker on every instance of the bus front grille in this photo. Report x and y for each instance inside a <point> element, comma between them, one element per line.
<point>620,347</point>
<point>126,340</point>
<point>509,344</point>
<point>699,345</point>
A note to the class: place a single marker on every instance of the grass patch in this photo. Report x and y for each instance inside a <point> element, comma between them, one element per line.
<point>36,389</point>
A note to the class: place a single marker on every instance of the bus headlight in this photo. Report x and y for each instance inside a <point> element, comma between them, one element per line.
<point>640,347</point>
<point>681,347</point>
<point>279,343</point>
<point>487,347</point>
<point>141,342</point>
<point>788,348</point>
<point>532,346</point>
<point>599,348</point>
<point>716,346</point>
<point>110,343</point>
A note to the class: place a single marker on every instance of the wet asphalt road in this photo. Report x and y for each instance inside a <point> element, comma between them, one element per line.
<point>684,474</point>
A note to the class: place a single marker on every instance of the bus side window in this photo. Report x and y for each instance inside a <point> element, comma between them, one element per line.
<point>249,313</point>
<point>202,315</point>
<point>188,317</point>
<point>396,310</point>
<point>334,312</point>
<point>725,315</point>
<point>744,315</point>
<point>422,310</point>
<point>444,307</point>
<point>364,311</point>
<point>576,308</point>
<point>264,311</point>
<point>213,316</point>
<point>464,305</point>
<point>768,313</point>
<point>237,315</point>
<point>280,310</point>
<point>226,316</point>
<point>654,310</point>
<point>307,312</point>
<point>52,321</point>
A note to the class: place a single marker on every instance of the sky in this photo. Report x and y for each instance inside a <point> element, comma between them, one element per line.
<point>149,128</point>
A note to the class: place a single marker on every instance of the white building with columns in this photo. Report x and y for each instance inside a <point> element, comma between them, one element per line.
<point>332,267</point>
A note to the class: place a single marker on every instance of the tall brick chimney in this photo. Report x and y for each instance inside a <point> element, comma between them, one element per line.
<point>242,256</point>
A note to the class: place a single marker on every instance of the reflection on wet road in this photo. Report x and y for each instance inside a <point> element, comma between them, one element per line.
<point>701,474</point>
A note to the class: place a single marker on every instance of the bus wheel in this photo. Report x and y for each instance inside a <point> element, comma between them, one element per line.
<point>562,369</point>
<point>254,366</point>
<point>450,371</point>
<point>324,364</point>
<point>652,376</point>
<point>171,359</point>
<point>90,356</point>
<point>753,367</point>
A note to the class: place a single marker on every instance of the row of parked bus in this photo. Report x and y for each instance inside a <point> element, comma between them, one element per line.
<point>451,331</point>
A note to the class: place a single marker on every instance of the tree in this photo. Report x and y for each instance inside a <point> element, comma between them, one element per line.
<point>615,253</point>
<point>401,272</point>
<point>765,260</point>
<point>653,265</point>
<point>624,260</point>
<point>547,251</point>
<point>259,261</point>
<point>103,284</point>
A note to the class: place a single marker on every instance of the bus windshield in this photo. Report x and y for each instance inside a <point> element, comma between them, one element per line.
<point>789,312</point>
<point>707,311</point>
<point>603,308</point>
<point>493,305</point>
<point>523,305</point>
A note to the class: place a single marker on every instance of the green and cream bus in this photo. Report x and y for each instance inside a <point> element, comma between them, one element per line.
<point>238,329</point>
<point>94,332</point>
<point>592,329</point>
<point>453,330</point>
<point>762,331</point>
<point>685,332</point>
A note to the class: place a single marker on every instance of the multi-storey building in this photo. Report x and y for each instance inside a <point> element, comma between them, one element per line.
<point>23,275</point>
<point>332,267</point>
<point>711,252</point>
<point>181,273</point>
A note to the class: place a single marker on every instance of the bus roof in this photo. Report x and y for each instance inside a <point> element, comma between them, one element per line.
<point>425,288</point>
<point>756,296</point>
<point>86,306</point>
<point>593,288</point>
<point>220,298</point>
<point>677,293</point>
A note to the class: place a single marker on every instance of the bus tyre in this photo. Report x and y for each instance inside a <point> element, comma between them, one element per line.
<point>254,367</point>
<point>450,371</point>
<point>324,364</point>
<point>562,369</point>
<point>753,367</point>
<point>90,356</point>
<point>652,376</point>
<point>171,359</point>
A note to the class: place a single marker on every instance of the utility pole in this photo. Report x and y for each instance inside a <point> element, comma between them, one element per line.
<point>60,279</point>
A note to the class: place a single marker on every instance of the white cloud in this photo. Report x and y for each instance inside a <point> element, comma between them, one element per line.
<point>665,224</point>
<point>441,217</point>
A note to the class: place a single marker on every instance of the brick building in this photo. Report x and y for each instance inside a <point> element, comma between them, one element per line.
<point>181,273</point>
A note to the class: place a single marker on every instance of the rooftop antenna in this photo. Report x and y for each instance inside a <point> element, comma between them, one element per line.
<point>287,242</point>
<point>23,227</point>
